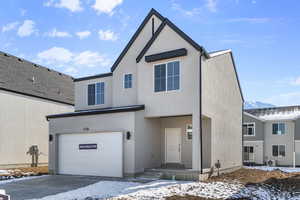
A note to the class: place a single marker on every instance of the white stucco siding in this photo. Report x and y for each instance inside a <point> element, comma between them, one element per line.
<point>81,93</point>
<point>222,103</point>
<point>258,147</point>
<point>23,124</point>
<point>287,139</point>
<point>123,97</point>
<point>178,102</point>
<point>114,122</point>
<point>147,142</point>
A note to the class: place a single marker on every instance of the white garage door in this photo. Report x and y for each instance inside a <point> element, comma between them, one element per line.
<point>99,154</point>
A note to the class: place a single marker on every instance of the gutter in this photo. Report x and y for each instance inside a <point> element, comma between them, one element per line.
<point>200,112</point>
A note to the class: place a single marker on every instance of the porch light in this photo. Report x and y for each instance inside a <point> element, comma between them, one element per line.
<point>128,135</point>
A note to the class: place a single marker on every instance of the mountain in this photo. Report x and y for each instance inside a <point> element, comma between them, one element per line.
<point>257,104</point>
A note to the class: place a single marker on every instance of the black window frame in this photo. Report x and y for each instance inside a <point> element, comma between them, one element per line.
<point>127,81</point>
<point>163,78</point>
<point>96,93</point>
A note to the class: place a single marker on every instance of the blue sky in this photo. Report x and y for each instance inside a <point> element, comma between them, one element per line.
<point>84,37</point>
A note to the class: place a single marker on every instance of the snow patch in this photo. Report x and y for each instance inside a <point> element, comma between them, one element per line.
<point>283,169</point>
<point>20,179</point>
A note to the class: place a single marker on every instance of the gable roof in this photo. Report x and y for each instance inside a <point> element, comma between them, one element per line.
<point>178,31</point>
<point>26,78</point>
<point>135,35</point>
<point>276,113</point>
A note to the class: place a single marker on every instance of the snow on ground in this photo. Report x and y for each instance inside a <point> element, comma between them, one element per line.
<point>284,169</point>
<point>19,179</point>
<point>4,172</point>
<point>158,190</point>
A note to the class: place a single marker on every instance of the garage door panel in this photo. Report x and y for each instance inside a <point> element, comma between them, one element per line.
<point>105,160</point>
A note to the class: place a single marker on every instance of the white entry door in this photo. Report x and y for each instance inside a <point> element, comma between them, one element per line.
<point>95,154</point>
<point>173,145</point>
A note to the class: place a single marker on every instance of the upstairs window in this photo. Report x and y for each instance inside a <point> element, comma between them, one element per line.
<point>96,93</point>
<point>278,150</point>
<point>167,77</point>
<point>278,128</point>
<point>249,129</point>
<point>127,81</point>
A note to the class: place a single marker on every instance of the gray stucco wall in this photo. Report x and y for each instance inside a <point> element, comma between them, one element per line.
<point>297,129</point>
<point>147,142</point>
<point>22,124</point>
<point>259,128</point>
<point>287,139</point>
<point>222,103</point>
<point>81,92</point>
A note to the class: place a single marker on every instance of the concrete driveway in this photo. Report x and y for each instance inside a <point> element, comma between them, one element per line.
<point>47,185</point>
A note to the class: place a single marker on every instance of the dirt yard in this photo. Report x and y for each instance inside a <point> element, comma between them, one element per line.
<point>277,182</point>
<point>23,172</point>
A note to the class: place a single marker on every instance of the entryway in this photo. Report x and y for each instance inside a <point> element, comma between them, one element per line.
<point>172,145</point>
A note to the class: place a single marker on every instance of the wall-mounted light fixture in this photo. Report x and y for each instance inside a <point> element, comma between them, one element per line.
<point>128,135</point>
<point>50,138</point>
<point>86,128</point>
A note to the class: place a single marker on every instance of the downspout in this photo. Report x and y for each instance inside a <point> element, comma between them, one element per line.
<point>242,134</point>
<point>200,112</point>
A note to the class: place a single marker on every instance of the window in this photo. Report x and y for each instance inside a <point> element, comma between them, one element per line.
<point>248,153</point>
<point>127,81</point>
<point>189,131</point>
<point>167,77</point>
<point>96,93</point>
<point>249,129</point>
<point>278,128</point>
<point>278,150</point>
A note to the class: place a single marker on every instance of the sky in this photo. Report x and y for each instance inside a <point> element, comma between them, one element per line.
<point>84,37</point>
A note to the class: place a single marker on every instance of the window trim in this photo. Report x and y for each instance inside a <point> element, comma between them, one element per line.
<point>247,123</point>
<point>186,131</point>
<point>166,63</point>
<point>124,80</point>
<point>95,94</point>
<point>278,127</point>
<point>279,156</point>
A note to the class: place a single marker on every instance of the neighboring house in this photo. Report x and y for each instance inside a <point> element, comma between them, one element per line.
<point>146,113</point>
<point>29,92</point>
<point>272,134</point>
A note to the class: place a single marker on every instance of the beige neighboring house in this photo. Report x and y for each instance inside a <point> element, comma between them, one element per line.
<point>29,92</point>
<point>272,134</point>
<point>166,104</point>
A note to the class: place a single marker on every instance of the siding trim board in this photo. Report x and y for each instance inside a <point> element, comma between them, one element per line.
<point>99,111</point>
<point>93,77</point>
<point>166,55</point>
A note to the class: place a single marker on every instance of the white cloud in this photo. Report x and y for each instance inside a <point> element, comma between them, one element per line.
<point>27,28</point>
<point>56,33</point>
<point>71,70</point>
<point>60,56</point>
<point>295,81</point>
<point>91,59</point>
<point>190,13</point>
<point>72,5</point>
<point>211,5</point>
<point>107,35</point>
<point>292,98</point>
<point>106,6</point>
<point>249,20</point>
<point>56,55</point>
<point>10,26</point>
<point>83,34</point>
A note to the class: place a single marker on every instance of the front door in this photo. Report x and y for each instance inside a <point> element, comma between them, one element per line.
<point>248,153</point>
<point>173,145</point>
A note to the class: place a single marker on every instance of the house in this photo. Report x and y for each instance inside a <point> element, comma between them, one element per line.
<point>29,92</point>
<point>167,103</point>
<point>272,134</point>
